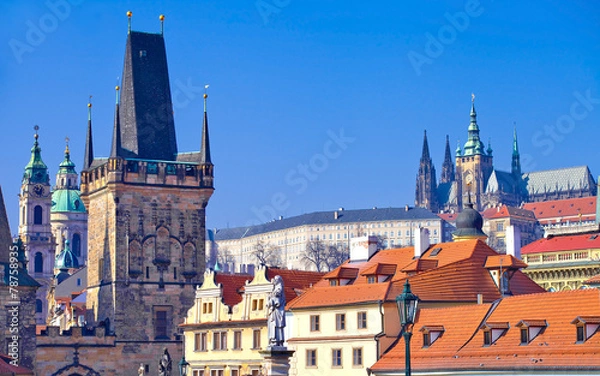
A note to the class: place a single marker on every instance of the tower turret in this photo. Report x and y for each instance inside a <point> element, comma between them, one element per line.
<point>448,165</point>
<point>426,186</point>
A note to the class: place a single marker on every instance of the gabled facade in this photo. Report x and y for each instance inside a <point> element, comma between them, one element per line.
<point>533,334</point>
<point>343,328</point>
<point>497,220</point>
<point>569,216</point>
<point>227,325</point>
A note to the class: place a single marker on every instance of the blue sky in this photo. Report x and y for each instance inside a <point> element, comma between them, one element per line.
<point>313,105</point>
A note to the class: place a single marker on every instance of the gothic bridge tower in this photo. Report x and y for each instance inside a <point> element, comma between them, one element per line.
<point>146,205</point>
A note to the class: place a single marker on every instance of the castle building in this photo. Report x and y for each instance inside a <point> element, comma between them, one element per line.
<point>146,229</point>
<point>476,179</point>
<point>35,230</point>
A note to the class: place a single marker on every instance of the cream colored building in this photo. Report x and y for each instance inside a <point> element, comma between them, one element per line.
<point>227,326</point>
<point>234,248</point>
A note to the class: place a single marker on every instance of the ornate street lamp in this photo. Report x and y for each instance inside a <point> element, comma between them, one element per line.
<point>407,309</point>
<point>183,366</point>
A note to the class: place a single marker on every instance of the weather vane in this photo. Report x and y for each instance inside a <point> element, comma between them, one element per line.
<point>472,97</point>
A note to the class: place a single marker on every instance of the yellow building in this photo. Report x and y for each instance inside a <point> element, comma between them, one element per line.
<point>227,326</point>
<point>563,262</point>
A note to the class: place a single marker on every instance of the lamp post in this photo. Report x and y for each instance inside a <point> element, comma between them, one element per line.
<point>407,309</point>
<point>183,366</point>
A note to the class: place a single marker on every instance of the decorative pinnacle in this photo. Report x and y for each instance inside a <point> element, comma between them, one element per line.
<point>117,88</point>
<point>205,95</point>
<point>129,14</point>
<point>472,97</point>
<point>36,128</point>
<point>67,139</point>
<point>162,23</point>
<point>90,108</point>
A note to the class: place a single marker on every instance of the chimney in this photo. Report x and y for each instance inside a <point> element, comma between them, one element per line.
<point>335,215</point>
<point>421,241</point>
<point>513,241</point>
<point>362,248</point>
<point>479,298</point>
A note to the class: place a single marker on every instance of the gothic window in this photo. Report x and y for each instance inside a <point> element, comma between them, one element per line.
<point>76,245</point>
<point>162,244</point>
<point>37,215</point>
<point>38,263</point>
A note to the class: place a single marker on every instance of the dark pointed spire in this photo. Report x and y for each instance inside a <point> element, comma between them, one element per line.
<point>425,152</point>
<point>448,165</point>
<point>88,157</point>
<point>5,237</point>
<point>516,158</point>
<point>205,143</point>
<point>115,150</point>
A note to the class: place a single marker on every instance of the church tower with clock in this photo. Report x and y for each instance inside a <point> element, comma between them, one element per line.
<point>35,203</point>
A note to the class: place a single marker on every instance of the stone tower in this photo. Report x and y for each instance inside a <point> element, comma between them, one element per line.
<point>35,203</point>
<point>68,216</point>
<point>426,189</point>
<point>146,210</point>
<point>473,166</point>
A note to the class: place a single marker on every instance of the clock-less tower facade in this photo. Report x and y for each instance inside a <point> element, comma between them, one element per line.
<point>35,203</point>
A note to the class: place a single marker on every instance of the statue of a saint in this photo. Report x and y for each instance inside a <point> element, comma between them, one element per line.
<point>141,370</point>
<point>276,306</point>
<point>164,364</point>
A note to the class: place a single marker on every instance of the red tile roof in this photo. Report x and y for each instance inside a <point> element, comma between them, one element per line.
<point>380,269</point>
<point>461,345</point>
<point>448,217</point>
<point>7,369</point>
<point>504,261</point>
<point>559,211</point>
<point>508,211</point>
<point>595,280</point>
<point>231,285</point>
<point>563,243</point>
<point>343,272</point>
<point>458,276</point>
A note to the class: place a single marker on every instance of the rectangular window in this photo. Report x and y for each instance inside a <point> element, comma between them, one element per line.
<point>256,339</point>
<point>371,279</point>
<point>235,372</point>
<point>237,340</point>
<point>336,357</point>
<point>340,321</point>
<point>207,308</point>
<point>357,358</point>
<point>203,342</point>
<point>314,323</point>
<point>311,358</point>
<point>580,334</point>
<point>160,324</point>
<point>487,338</point>
<point>220,341</point>
<point>362,320</point>
<point>216,372</point>
<point>257,304</point>
<point>524,336</point>
<point>426,340</point>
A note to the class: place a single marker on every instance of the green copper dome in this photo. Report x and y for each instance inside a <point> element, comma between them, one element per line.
<point>67,200</point>
<point>36,170</point>
<point>66,259</point>
<point>474,146</point>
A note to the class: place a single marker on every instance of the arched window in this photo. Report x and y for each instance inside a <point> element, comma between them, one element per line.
<point>76,245</point>
<point>38,306</point>
<point>37,215</point>
<point>38,263</point>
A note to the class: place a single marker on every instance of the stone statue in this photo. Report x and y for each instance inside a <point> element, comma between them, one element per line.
<point>165,364</point>
<point>276,306</point>
<point>141,370</point>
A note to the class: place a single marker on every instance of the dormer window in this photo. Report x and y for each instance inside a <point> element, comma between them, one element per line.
<point>531,329</point>
<point>492,331</point>
<point>586,327</point>
<point>431,333</point>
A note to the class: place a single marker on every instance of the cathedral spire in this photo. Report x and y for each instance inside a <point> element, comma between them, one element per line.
<point>115,150</point>
<point>516,158</point>
<point>36,170</point>
<point>426,187</point>
<point>448,165</point>
<point>205,143</point>
<point>474,146</point>
<point>425,152</point>
<point>88,157</point>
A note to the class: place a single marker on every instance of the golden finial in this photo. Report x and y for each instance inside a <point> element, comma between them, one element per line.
<point>129,14</point>
<point>117,88</point>
<point>205,95</point>
<point>36,128</point>
<point>67,145</point>
<point>162,23</point>
<point>90,108</point>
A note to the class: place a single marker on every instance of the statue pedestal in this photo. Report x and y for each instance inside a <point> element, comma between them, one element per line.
<point>276,361</point>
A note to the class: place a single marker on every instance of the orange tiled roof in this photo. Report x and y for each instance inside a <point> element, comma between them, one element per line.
<point>380,269</point>
<point>504,261</point>
<point>458,276</point>
<point>563,243</point>
<point>295,281</point>
<point>558,211</point>
<point>595,280</point>
<point>507,211</point>
<point>420,265</point>
<point>231,285</point>
<point>461,345</point>
<point>343,272</point>
<point>448,217</point>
